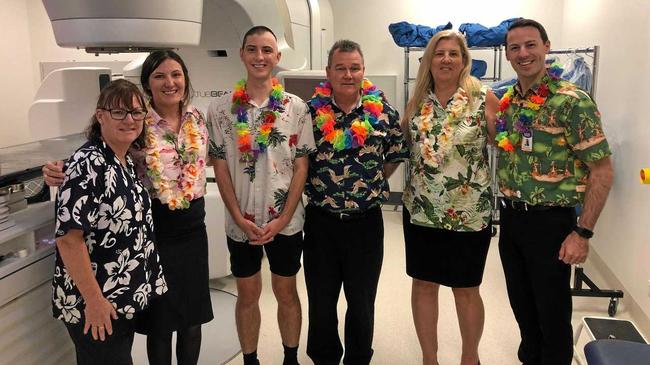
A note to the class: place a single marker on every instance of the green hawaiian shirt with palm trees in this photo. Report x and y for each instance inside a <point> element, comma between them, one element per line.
<point>566,134</point>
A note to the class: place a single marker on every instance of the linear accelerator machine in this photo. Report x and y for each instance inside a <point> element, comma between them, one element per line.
<point>207,35</point>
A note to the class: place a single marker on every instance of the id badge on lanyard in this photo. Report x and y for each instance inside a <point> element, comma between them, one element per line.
<point>527,141</point>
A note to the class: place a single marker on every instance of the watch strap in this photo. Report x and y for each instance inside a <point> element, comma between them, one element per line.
<point>583,232</point>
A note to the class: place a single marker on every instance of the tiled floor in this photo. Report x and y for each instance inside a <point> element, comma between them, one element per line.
<point>395,340</point>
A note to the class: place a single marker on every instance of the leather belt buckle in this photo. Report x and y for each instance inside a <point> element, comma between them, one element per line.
<point>524,205</point>
<point>515,205</point>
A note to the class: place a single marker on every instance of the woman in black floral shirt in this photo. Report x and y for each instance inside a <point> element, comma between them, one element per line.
<point>107,268</point>
<point>171,162</point>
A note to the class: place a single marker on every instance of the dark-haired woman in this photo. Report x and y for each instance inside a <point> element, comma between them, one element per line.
<point>171,165</point>
<point>107,267</point>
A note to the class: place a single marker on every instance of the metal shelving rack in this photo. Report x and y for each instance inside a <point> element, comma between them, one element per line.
<point>496,66</point>
<point>591,52</point>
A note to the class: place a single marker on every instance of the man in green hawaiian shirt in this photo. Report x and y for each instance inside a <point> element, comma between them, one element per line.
<point>555,156</point>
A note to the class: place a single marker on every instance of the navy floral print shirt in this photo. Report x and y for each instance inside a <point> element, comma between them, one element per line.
<point>353,179</point>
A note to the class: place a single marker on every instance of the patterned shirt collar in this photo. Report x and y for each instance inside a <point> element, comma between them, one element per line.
<point>252,104</point>
<point>432,96</point>
<point>533,88</point>
<point>159,120</point>
<point>351,111</point>
<point>108,152</point>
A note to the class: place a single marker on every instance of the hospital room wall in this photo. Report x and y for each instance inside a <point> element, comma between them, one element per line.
<point>621,29</point>
<point>27,40</point>
<point>17,87</point>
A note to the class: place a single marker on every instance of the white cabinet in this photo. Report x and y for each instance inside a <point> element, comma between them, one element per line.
<point>28,332</point>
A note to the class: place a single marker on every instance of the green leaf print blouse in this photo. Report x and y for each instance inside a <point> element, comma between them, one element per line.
<point>449,174</point>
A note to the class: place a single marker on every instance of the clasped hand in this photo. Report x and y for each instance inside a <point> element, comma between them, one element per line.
<point>262,235</point>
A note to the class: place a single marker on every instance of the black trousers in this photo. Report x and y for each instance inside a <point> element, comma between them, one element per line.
<point>538,282</point>
<point>348,253</point>
<point>114,350</point>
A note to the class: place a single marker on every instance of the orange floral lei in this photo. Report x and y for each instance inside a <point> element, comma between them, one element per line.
<point>435,149</point>
<point>177,194</point>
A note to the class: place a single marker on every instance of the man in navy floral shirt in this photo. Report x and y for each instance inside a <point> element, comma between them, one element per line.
<point>359,145</point>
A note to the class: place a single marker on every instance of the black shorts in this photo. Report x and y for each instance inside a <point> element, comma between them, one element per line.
<point>283,252</point>
<point>450,258</point>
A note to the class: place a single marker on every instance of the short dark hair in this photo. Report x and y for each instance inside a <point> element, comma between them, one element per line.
<point>523,22</point>
<point>117,94</point>
<point>343,45</point>
<point>258,29</point>
<point>151,64</point>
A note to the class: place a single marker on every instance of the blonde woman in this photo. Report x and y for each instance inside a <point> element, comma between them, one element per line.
<point>448,122</point>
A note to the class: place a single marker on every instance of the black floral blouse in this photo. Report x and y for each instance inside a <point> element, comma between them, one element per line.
<point>108,203</point>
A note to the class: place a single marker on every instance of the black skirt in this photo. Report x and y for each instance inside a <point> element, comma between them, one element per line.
<point>449,258</point>
<point>182,243</point>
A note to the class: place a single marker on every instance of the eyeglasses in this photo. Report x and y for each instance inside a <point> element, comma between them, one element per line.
<point>120,114</point>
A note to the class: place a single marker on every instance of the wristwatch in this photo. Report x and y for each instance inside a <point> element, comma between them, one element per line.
<point>583,232</point>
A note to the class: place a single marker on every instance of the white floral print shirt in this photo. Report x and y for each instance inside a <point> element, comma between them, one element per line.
<point>262,188</point>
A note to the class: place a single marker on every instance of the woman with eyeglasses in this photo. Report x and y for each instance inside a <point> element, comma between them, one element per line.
<point>107,267</point>
<point>171,165</point>
<point>447,210</point>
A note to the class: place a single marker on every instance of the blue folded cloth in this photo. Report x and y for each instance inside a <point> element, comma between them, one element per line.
<point>499,88</point>
<point>478,35</point>
<point>479,67</point>
<point>413,35</point>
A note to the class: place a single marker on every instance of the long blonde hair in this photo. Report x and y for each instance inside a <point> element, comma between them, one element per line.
<point>424,81</point>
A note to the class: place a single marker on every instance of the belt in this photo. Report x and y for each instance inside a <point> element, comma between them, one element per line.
<point>345,216</point>
<point>525,207</point>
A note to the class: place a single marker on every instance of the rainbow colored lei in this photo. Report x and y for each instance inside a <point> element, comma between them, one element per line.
<point>507,140</point>
<point>245,140</point>
<point>355,135</point>
<point>177,194</point>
